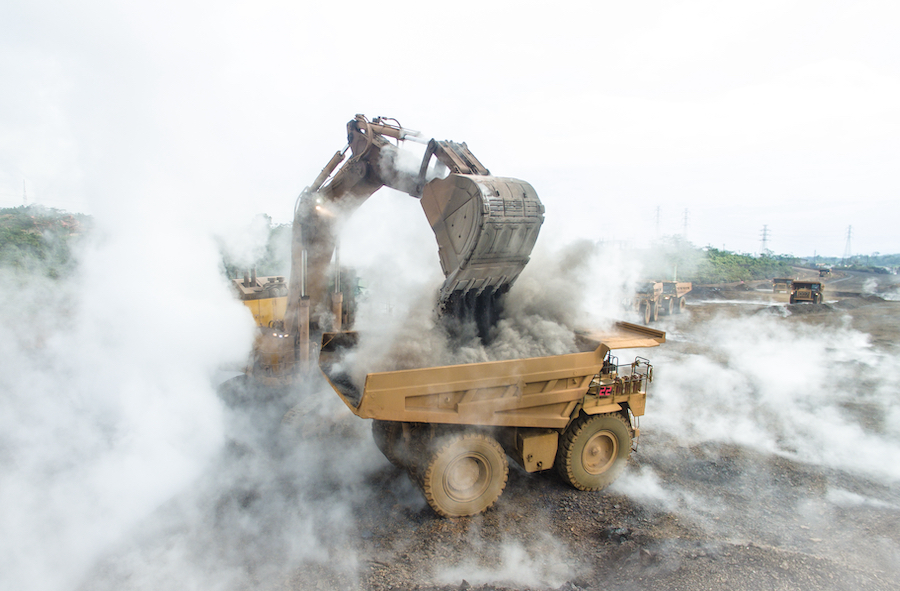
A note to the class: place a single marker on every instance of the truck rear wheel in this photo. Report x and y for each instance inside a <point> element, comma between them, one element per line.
<point>681,305</point>
<point>386,434</point>
<point>465,474</point>
<point>594,450</point>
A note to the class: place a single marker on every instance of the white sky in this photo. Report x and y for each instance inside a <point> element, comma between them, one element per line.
<point>769,113</point>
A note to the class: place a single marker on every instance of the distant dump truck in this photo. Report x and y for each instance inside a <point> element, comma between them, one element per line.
<point>653,298</point>
<point>672,300</point>
<point>824,272</point>
<point>806,291</point>
<point>781,284</point>
<point>452,427</point>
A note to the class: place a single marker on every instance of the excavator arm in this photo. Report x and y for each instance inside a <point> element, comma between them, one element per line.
<point>485,226</point>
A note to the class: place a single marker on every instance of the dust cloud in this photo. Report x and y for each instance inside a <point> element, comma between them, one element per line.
<point>578,286</point>
<point>122,469</point>
<point>810,393</point>
<point>540,563</point>
<point>107,407</point>
<point>762,430</point>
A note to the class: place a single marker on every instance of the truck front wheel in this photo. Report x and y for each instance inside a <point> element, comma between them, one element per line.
<point>647,313</point>
<point>465,474</point>
<point>594,450</point>
<point>681,305</point>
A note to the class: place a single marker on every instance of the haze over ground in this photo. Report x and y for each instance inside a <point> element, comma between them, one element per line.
<point>731,117</point>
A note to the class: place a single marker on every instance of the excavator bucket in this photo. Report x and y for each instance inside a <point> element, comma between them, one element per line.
<point>485,228</point>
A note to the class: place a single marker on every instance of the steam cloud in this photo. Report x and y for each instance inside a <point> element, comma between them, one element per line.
<point>797,392</point>
<point>121,468</point>
<point>107,407</point>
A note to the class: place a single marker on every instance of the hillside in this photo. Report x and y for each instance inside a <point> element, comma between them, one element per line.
<point>38,239</point>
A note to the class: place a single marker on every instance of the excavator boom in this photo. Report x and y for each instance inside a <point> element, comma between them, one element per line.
<point>485,226</point>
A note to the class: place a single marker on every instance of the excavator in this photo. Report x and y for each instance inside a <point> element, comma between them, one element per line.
<point>486,227</point>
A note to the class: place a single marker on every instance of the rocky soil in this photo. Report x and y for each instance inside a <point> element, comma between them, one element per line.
<point>321,509</point>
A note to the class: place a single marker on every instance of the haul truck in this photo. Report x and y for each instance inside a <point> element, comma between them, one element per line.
<point>672,300</point>
<point>653,298</point>
<point>452,427</point>
<point>781,285</point>
<point>807,291</point>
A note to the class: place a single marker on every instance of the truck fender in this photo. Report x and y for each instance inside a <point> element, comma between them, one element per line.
<point>596,410</point>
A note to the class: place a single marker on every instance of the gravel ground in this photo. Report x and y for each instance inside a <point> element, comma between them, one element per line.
<point>323,510</point>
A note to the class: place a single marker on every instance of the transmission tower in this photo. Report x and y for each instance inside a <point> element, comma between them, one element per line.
<point>847,248</point>
<point>765,240</point>
<point>684,234</point>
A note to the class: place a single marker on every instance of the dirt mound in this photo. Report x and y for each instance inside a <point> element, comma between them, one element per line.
<point>798,309</point>
<point>707,292</point>
<point>858,301</point>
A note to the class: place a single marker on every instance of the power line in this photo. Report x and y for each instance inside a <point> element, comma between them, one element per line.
<point>847,250</point>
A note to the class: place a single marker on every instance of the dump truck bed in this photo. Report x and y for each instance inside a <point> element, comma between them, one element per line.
<point>677,288</point>
<point>534,392</point>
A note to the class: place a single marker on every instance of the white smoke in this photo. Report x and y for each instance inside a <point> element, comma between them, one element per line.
<point>107,405</point>
<point>242,244</point>
<point>541,562</point>
<point>580,286</point>
<point>788,389</point>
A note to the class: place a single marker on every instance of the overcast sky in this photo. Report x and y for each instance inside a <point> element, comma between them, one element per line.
<point>710,118</point>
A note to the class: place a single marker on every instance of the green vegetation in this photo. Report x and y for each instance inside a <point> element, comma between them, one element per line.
<point>874,263</point>
<point>674,256</point>
<point>722,266</point>
<point>38,240</point>
<point>859,262</point>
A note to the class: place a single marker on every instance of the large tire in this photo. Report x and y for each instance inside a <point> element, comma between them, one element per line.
<point>655,313</point>
<point>464,474</point>
<point>645,308</point>
<point>682,304</point>
<point>386,434</point>
<point>594,450</point>
<point>670,306</point>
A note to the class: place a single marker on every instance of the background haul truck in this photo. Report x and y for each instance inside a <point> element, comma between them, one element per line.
<point>450,427</point>
<point>653,298</point>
